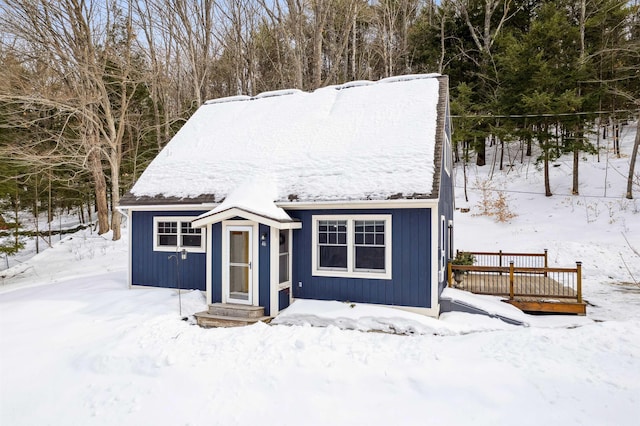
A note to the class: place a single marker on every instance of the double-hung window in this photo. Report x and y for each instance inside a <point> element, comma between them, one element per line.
<point>176,233</point>
<point>356,246</point>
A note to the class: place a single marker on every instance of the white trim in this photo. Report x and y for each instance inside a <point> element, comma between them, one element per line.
<point>225,266</point>
<point>245,214</point>
<point>178,247</point>
<point>275,284</point>
<point>360,204</point>
<point>274,268</point>
<point>435,284</point>
<point>255,267</point>
<point>255,278</point>
<point>209,265</point>
<point>306,205</point>
<point>351,271</point>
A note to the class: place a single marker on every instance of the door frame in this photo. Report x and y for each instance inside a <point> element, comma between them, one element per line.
<point>228,226</point>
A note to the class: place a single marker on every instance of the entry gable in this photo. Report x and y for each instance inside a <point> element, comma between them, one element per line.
<point>253,200</point>
<point>231,212</point>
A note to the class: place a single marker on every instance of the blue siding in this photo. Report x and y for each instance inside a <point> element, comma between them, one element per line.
<point>411,262</point>
<point>154,268</point>
<point>216,263</point>
<point>446,202</point>
<point>264,269</point>
<point>283,298</point>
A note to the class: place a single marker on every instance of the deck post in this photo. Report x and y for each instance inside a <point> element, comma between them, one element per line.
<point>579,279</point>
<point>449,274</point>
<point>546,261</point>
<point>500,259</point>
<point>511,292</point>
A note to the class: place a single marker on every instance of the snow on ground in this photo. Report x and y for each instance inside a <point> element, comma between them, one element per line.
<point>62,221</point>
<point>78,347</point>
<point>598,227</point>
<point>83,253</point>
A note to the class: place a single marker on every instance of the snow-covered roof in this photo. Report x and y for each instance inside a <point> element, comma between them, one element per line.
<point>357,141</point>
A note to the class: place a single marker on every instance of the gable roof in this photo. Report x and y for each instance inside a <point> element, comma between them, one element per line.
<point>357,141</point>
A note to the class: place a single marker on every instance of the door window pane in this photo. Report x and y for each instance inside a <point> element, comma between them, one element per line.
<point>239,247</point>
<point>239,281</point>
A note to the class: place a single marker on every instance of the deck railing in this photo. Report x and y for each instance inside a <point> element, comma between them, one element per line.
<point>520,260</point>
<point>518,275</point>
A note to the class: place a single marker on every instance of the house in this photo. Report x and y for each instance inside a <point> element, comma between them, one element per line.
<point>344,193</point>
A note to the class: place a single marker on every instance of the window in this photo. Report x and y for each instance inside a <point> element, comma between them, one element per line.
<point>448,155</point>
<point>284,256</point>
<point>352,246</point>
<point>173,233</point>
<point>450,241</point>
<point>332,244</point>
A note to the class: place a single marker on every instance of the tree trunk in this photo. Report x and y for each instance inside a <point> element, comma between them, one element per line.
<point>501,153</point>
<point>632,164</point>
<point>576,162</point>
<point>481,152</point>
<point>16,221</point>
<point>100,185</point>
<point>547,184</point>
<point>545,147</point>
<point>35,215</point>
<point>115,195</point>
<point>616,138</point>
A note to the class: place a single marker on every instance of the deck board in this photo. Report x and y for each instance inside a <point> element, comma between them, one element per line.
<point>532,292</point>
<point>524,285</point>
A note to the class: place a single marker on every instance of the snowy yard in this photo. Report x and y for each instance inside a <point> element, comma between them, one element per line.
<point>77,347</point>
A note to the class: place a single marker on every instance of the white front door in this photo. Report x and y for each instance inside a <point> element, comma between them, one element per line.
<point>239,285</point>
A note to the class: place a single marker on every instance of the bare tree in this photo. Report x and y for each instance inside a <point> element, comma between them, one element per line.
<point>392,20</point>
<point>85,49</point>
<point>632,163</point>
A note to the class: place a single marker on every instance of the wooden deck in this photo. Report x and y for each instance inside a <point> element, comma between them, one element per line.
<point>532,293</point>
<point>532,287</point>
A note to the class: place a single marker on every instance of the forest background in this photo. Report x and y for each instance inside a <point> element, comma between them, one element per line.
<point>91,91</point>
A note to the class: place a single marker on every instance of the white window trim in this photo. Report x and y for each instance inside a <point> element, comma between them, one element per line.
<point>179,219</point>
<point>448,154</point>
<point>351,272</point>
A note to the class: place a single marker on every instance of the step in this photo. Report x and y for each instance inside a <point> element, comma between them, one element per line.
<point>207,320</point>
<point>236,310</point>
